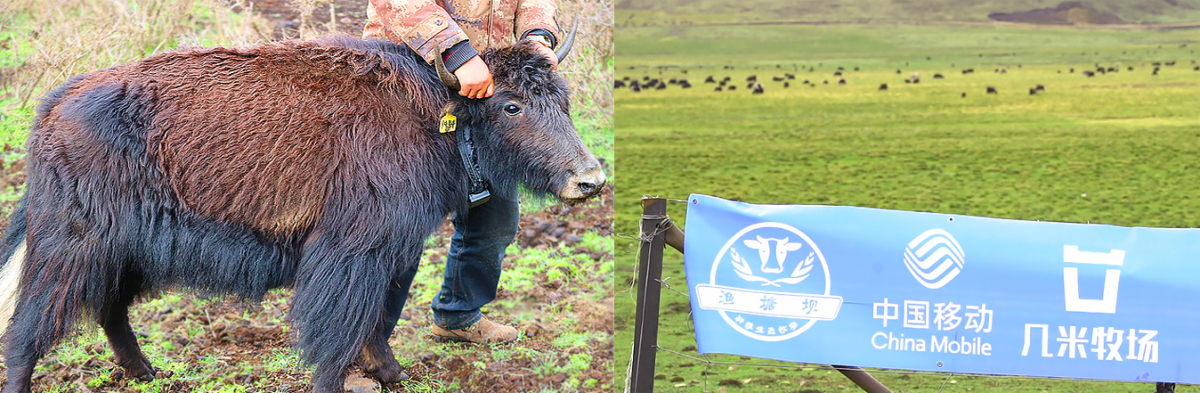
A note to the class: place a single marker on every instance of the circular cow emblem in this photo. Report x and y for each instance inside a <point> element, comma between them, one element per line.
<point>770,282</point>
<point>934,258</point>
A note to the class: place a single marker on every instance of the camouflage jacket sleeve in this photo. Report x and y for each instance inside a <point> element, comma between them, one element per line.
<point>536,14</point>
<point>422,24</point>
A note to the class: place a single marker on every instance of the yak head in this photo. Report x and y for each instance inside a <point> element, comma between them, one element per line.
<point>523,133</point>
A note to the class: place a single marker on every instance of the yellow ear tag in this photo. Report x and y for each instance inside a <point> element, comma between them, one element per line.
<point>448,124</point>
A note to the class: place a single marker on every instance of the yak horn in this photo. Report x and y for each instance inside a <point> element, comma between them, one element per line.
<point>447,77</point>
<point>565,48</point>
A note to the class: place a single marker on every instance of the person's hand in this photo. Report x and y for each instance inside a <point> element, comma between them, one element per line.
<point>545,50</point>
<point>474,79</point>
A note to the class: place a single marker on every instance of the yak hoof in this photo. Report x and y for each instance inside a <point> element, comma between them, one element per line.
<point>386,371</point>
<point>139,369</point>
<point>389,375</point>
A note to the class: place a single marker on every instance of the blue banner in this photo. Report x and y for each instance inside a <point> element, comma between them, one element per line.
<point>943,292</point>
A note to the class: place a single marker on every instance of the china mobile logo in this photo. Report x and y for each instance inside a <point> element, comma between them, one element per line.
<point>934,258</point>
<point>766,284</point>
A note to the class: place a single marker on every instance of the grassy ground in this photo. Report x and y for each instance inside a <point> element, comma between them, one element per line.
<point>632,13</point>
<point>1118,148</point>
<point>557,281</point>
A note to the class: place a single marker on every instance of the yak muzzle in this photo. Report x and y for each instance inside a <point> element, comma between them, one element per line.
<point>584,185</point>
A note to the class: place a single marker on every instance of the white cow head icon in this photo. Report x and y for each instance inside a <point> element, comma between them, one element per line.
<point>782,247</point>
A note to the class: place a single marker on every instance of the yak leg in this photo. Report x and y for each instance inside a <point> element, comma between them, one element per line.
<point>121,337</point>
<point>338,301</point>
<point>377,357</point>
<point>22,351</point>
<point>39,322</point>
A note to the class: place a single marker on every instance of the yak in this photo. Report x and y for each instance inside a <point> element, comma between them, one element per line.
<point>315,165</point>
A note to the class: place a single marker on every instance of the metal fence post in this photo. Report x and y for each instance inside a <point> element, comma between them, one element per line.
<point>645,333</point>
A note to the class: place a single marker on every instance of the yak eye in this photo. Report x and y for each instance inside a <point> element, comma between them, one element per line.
<point>512,109</point>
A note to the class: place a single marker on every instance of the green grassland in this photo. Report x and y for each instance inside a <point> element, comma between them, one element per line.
<point>668,12</point>
<point>1119,148</point>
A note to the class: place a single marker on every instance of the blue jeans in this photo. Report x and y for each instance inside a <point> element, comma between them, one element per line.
<point>473,266</point>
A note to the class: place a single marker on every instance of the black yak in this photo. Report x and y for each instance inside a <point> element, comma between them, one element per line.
<point>938,76</point>
<point>316,165</point>
<point>618,84</point>
<point>991,90</point>
<point>710,79</point>
<point>1033,90</point>
<point>752,78</point>
<point>883,86</point>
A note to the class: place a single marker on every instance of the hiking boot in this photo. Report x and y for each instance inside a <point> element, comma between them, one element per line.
<point>483,331</point>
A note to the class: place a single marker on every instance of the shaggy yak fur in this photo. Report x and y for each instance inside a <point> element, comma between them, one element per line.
<point>315,165</point>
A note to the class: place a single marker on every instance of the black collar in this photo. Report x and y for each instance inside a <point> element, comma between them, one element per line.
<point>478,193</point>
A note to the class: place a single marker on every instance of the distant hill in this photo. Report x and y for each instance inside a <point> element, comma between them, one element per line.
<point>1084,12</point>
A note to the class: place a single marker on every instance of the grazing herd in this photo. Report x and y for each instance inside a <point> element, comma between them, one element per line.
<point>784,80</point>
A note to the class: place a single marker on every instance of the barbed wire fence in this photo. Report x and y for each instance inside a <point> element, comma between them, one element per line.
<point>654,240</point>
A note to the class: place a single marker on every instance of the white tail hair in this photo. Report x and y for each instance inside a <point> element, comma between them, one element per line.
<point>10,280</point>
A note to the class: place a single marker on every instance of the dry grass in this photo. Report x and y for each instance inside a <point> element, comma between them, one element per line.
<point>590,66</point>
<point>48,42</point>
<point>308,27</point>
